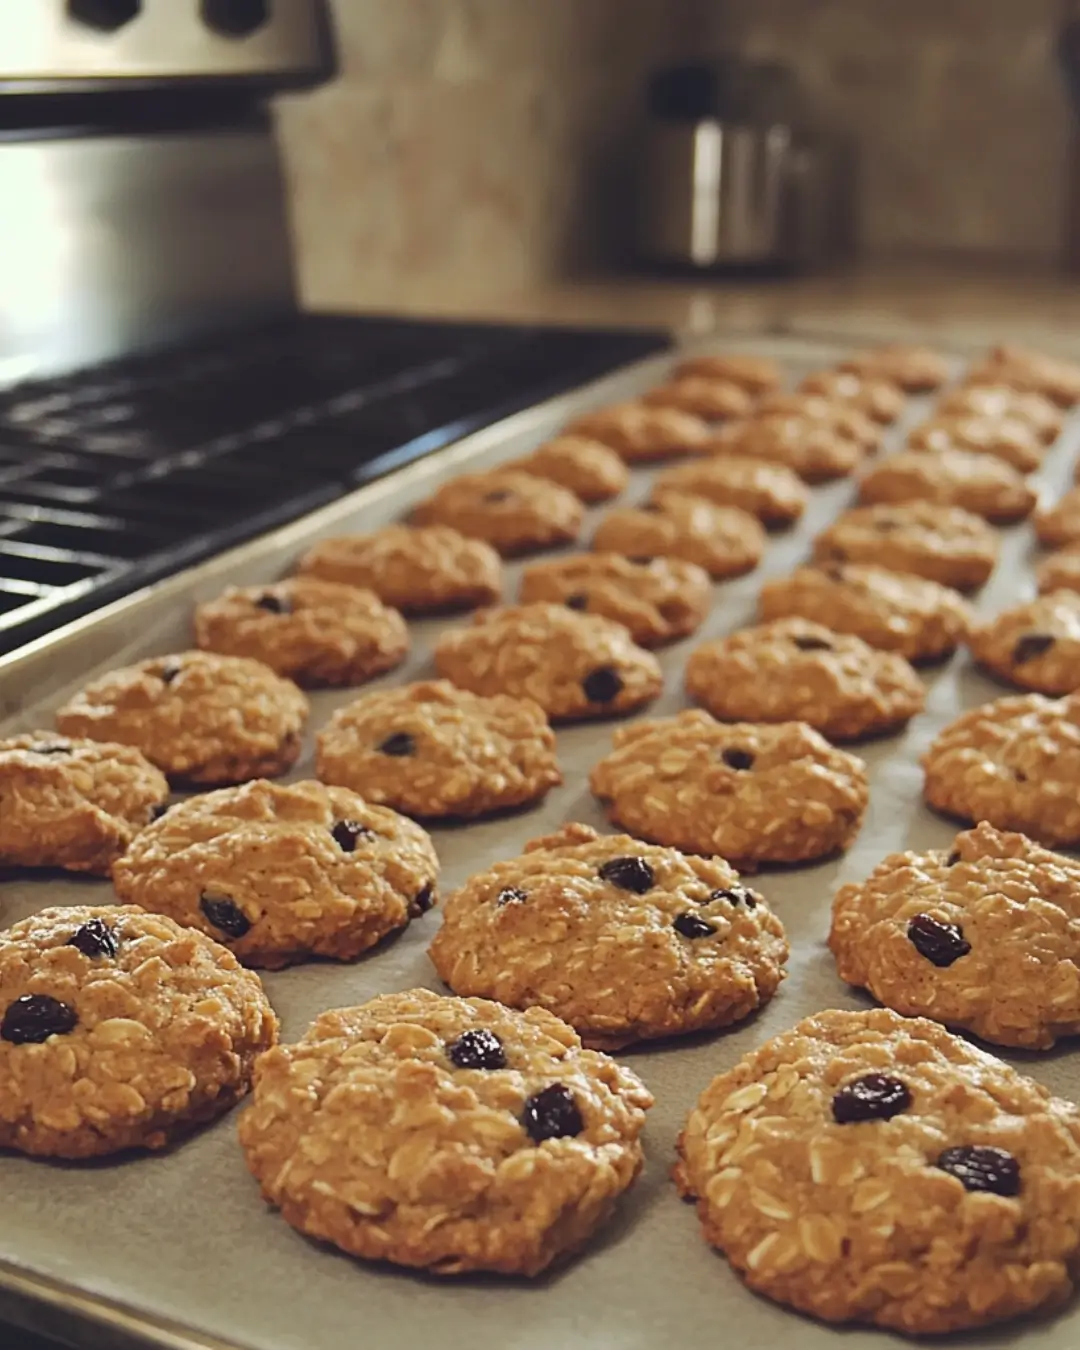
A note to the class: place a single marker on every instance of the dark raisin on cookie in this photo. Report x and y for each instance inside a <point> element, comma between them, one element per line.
<point>690,926</point>
<point>95,938</point>
<point>579,600</point>
<point>498,495</point>
<point>736,895</point>
<point>33,1018</point>
<point>511,895</point>
<point>159,809</point>
<point>874,1096</point>
<point>348,833</point>
<point>274,604</point>
<point>552,1114</point>
<point>980,1167</point>
<point>738,759</point>
<point>641,559</point>
<point>629,873</point>
<point>399,745</point>
<point>225,914</point>
<point>1031,645</point>
<point>953,858</point>
<point>423,900</point>
<point>477,1049</point>
<point>941,943</point>
<point>812,644</point>
<point>602,684</point>
<point>169,671</point>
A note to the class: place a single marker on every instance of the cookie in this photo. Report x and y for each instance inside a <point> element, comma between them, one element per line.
<point>1061,571</point>
<point>592,471</point>
<point>573,665</point>
<point>1014,763</point>
<point>428,569</point>
<point>1059,524</point>
<point>512,511</point>
<point>814,448</point>
<point>865,1167</point>
<point>281,874</point>
<point>999,402</point>
<point>916,370</point>
<point>724,540</point>
<point>432,750</point>
<point>982,936</point>
<point>447,1134</point>
<point>119,1030</point>
<point>844,419</point>
<point>714,400</point>
<point>749,792</point>
<point>1035,645</point>
<point>1030,371</point>
<point>942,543</point>
<point>756,374</point>
<point>892,611</point>
<point>986,486</point>
<point>880,400</point>
<point>623,940</point>
<point>773,493</point>
<point>792,670</point>
<point>658,601</point>
<point>74,804</point>
<point>199,717</point>
<point>1017,443</point>
<point>640,433</point>
<point>316,632</point>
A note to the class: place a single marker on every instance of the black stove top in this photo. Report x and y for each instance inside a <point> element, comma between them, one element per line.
<point>114,476</point>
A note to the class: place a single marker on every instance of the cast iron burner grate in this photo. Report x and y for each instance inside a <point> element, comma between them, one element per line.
<point>115,476</point>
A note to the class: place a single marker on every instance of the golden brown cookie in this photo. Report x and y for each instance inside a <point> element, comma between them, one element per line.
<point>979,483</point>
<point>714,400</point>
<point>1014,763</point>
<point>942,543</point>
<point>433,750</point>
<point>982,936</point>
<point>846,420</point>
<point>119,1029</point>
<point>773,493</point>
<point>280,874</point>
<point>792,670</point>
<point>1059,524</point>
<point>756,374</point>
<point>447,1134</point>
<point>623,940</point>
<point>865,1167</point>
<point>1001,403</point>
<point>880,400</point>
<point>1017,443</point>
<point>1023,369</point>
<point>812,447</point>
<point>749,792</point>
<point>417,569</point>
<point>658,601</point>
<point>893,611</point>
<point>1061,571</point>
<point>1035,645</point>
<point>316,632</point>
<point>589,469</point>
<point>512,511</point>
<point>573,665</point>
<point>640,433</point>
<point>75,804</point>
<point>916,370</point>
<point>724,540</point>
<point>199,717</point>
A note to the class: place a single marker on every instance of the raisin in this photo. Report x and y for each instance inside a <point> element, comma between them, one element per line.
<point>1030,646</point>
<point>736,895</point>
<point>738,759</point>
<point>274,604</point>
<point>348,833</point>
<point>552,1114</point>
<point>159,809</point>
<point>641,560</point>
<point>579,600</point>
<point>225,914</point>
<point>423,900</point>
<point>982,1168</point>
<point>874,1096</point>
<point>941,943</point>
<point>629,873</point>
<point>602,684</point>
<point>953,858</point>
<point>498,495</point>
<point>169,671</point>
<point>35,1017</point>
<point>95,938</point>
<point>812,644</point>
<point>511,895</point>
<point>50,748</point>
<point>690,926</point>
<point>479,1049</point>
<point>399,745</point>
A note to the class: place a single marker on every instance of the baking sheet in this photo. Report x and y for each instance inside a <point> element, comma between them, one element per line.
<point>179,1250</point>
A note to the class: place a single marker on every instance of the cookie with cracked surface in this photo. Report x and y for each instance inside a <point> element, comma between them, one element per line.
<point>640,433</point>
<point>1061,571</point>
<point>589,469</point>
<point>916,370</point>
<point>1008,439</point>
<point>982,937</point>
<point>119,1030</point>
<point>792,670</point>
<point>419,569</point>
<point>433,750</point>
<point>658,600</point>
<point>74,804</point>
<point>756,374</point>
<point>749,792</point>
<point>811,446</point>
<point>318,633</point>
<point>1015,763</point>
<point>1030,371</point>
<point>880,400</point>
<point>199,717</point>
<point>866,1167</point>
<point>714,400</point>
<point>724,540</point>
<point>575,666</point>
<point>999,402</point>
<point>448,1134</point>
<point>986,486</point>
<point>773,493</point>
<point>514,512</point>
<point>846,421</point>
<point>1059,524</point>
<point>892,611</point>
<point>945,544</point>
<point>623,940</point>
<point>1035,645</point>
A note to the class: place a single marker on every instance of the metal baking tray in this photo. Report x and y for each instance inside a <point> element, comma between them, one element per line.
<point>179,1251</point>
